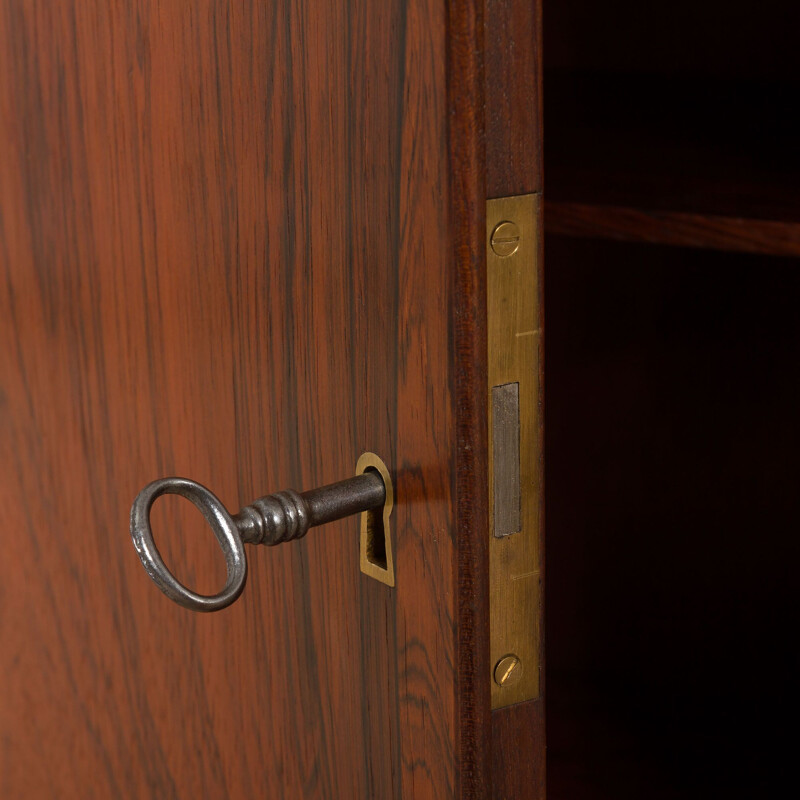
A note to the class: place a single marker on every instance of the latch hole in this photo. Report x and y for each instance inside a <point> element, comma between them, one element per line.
<point>376,534</point>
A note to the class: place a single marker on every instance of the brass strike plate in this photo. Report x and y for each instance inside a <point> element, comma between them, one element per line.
<point>515,447</point>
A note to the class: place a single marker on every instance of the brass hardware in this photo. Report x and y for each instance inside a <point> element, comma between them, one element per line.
<point>508,671</point>
<point>505,239</point>
<point>515,446</point>
<point>376,541</point>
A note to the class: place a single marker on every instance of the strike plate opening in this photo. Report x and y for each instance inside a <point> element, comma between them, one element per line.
<point>376,541</point>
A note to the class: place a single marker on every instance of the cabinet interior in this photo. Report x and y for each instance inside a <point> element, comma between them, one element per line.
<point>686,109</point>
<point>672,222</point>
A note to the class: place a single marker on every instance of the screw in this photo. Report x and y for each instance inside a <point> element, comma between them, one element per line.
<point>505,239</point>
<point>508,670</point>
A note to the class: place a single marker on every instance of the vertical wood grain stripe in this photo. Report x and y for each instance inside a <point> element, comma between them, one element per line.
<point>467,162</point>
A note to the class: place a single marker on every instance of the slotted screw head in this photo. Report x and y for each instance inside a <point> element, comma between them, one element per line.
<point>505,239</point>
<point>508,670</point>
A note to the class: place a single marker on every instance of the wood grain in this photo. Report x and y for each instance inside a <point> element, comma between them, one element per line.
<point>228,251</point>
<point>514,166</point>
<point>466,138</point>
<point>710,231</point>
<point>513,97</point>
<point>518,751</point>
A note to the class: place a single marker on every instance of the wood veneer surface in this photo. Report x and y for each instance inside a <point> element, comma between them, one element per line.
<point>227,252</point>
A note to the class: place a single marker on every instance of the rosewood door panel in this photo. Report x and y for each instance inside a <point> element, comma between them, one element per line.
<point>241,242</point>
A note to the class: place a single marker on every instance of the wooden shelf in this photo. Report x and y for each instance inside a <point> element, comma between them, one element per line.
<point>673,160</point>
<point>711,231</point>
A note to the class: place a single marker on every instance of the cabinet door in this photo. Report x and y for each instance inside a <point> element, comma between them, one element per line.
<point>242,243</point>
